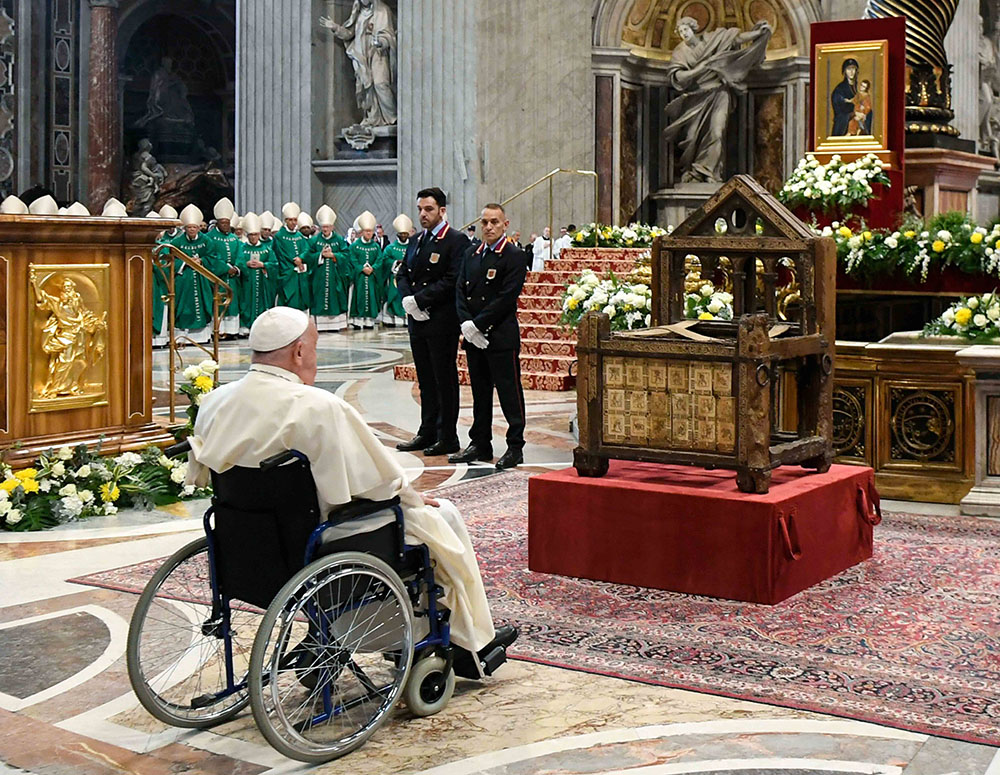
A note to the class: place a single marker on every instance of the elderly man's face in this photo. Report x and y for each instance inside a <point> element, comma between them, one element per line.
<point>327,230</point>
<point>191,230</point>
<point>254,237</point>
<point>223,224</point>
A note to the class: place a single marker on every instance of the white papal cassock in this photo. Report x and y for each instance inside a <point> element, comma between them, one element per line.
<point>271,410</point>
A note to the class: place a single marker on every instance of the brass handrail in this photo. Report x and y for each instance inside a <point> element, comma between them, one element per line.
<point>222,297</point>
<point>549,177</point>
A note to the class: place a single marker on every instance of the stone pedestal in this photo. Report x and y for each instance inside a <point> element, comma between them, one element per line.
<point>104,146</point>
<point>674,205</point>
<point>984,498</point>
<point>945,179</point>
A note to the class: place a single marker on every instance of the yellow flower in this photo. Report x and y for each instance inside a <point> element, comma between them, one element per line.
<point>10,484</point>
<point>706,316</point>
<point>29,485</point>
<point>963,316</point>
<point>868,236</point>
<point>109,492</point>
<point>975,238</point>
<point>844,232</point>
<point>203,383</point>
<point>26,473</point>
<point>572,303</point>
<point>938,246</point>
<point>909,234</point>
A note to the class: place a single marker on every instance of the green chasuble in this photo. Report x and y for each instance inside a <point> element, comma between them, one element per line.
<point>193,306</point>
<point>293,287</point>
<point>331,279</point>
<point>393,255</point>
<point>367,300</point>
<point>258,287</point>
<point>227,249</point>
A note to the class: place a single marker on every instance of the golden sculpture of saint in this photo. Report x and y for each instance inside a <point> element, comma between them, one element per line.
<point>73,337</point>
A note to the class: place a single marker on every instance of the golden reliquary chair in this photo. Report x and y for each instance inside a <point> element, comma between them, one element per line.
<point>704,392</point>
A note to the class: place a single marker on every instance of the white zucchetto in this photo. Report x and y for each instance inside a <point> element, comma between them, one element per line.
<point>276,328</point>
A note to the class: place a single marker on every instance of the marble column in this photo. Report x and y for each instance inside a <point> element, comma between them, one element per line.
<point>275,100</point>
<point>104,146</point>
<point>962,47</point>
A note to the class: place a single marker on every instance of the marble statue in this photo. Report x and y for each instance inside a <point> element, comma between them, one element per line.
<point>146,178</point>
<point>989,92</point>
<point>708,69</point>
<point>369,36</point>
<point>168,98</point>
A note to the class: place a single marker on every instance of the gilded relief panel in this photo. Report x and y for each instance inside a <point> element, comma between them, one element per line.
<point>68,328</point>
<point>922,424</point>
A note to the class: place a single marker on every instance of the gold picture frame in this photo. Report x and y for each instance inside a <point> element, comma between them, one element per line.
<point>68,330</point>
<point>851,115</point>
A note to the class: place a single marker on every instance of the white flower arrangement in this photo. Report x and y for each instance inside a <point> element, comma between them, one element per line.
<point>627,304</point>
<point>836,185</point>
<point>975,318</point>
<point>635,235</point>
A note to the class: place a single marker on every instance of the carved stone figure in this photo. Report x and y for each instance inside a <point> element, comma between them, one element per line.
<point>989,92</point>
<point>72,337</point>
<point>146,178</point>
<point>708,69</point>
<point>168,97</point>
<point>369,36</point>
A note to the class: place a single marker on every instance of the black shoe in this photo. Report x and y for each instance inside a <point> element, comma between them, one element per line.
<point>490,657</point>
<point>418,442</point>
<point>442,448</point>
<point>504,637</point>
<point>471,454</point>
<point>511,458</point>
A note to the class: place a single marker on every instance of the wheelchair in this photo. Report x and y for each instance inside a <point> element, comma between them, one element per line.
<point>315,627</point>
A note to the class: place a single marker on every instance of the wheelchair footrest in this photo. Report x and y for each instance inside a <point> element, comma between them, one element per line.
<point>491,661</point>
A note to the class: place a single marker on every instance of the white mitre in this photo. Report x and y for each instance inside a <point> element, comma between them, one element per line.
<point>304,219</point>
<point>224,209</point>
<point>192,216</point>
<point>236,222</point>
<point>77,209</point>
<point>276,328</point>
<point>402,224</point>
<point>366,221</point>
<point>325,216</point>
<point>44,205</point>
<point>13,206</point>
<point>290,210</point>
<point>267,220</point>
<point>114,209</point>
<point>251,223</point>
<point>168,212</point>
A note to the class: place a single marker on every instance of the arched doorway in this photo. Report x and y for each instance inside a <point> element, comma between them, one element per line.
<point>177,73</point>
<point>633,41</point>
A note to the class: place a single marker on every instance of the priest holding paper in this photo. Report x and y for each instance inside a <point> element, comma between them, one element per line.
<point>276,407</point>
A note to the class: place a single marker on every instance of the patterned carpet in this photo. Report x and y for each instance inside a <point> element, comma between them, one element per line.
<point>910,639</point>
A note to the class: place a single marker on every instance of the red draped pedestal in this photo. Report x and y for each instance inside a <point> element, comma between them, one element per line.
<point>690,530</point>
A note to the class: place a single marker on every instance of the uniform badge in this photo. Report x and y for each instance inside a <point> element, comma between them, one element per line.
<point>435,257</point>
<point>491,273</point>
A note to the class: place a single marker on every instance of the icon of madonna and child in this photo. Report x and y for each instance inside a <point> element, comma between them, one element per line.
<point>851,101</point>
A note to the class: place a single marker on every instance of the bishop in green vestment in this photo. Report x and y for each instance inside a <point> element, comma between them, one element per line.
<point>330,270</point>
<point>366,299</point>
<point>193,303</point>
<point>394,254</point>
<point>258,270</point>
<point>291,250</point>
<point>227,248</point>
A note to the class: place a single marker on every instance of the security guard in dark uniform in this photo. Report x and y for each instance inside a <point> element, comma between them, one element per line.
<point>426,283</point>
<point>489,282</point>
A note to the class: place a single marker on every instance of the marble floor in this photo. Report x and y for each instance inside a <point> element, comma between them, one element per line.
<point>66,705</point>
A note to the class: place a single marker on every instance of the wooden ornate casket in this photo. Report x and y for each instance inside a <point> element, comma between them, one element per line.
<point>704,392</point>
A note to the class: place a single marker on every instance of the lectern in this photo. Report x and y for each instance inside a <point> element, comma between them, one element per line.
<point>76,333</point>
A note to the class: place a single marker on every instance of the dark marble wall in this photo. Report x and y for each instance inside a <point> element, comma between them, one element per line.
<point>63,72</point>
<point>8,103</point>
<point>629,128</point>
<point>604,143</point>
<point>769,140</point>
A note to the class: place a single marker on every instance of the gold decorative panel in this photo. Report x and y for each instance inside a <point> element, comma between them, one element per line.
<point>68,330</point>
<point>922,423</point>
<point>686,405</point>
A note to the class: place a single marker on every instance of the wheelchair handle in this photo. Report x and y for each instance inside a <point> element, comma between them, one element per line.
<point>280,459</point>
<point>178,449</point>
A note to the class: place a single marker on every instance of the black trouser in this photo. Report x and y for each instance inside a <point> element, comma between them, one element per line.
<point>502,370</point>
<point>437,377</point>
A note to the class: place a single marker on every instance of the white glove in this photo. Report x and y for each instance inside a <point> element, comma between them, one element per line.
<point>410,305</point>
<point>474,336</point>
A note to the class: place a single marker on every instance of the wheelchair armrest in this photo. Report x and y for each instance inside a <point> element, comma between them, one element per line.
<point>361,507</point>
<point>178,449</point>
<point>280,459</point>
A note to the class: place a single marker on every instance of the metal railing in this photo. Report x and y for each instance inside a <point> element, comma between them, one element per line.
<point>222,297</point>
<point>549,177</point>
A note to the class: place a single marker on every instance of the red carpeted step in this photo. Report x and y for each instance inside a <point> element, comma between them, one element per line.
<point>553,333</point>
<point>529,380</point>
<point>543,317</point>
<point>538,347</point>
<point>540,302</point>
<point>543,289</point>
<point>536,364</point>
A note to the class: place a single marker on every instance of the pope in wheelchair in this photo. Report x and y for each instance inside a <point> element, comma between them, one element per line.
<point>326,587</point>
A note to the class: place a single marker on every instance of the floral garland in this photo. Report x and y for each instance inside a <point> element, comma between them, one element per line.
<point>70,484</point>
<point>950,239</point>
<point>629,305</point>
<point>635,235</point>
<point>975,318</point>
<point>834,186</point>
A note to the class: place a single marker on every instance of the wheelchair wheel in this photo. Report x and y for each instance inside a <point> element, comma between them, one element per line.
<point>429,688</point>
<point>176,652</point>
<point>331,657</point>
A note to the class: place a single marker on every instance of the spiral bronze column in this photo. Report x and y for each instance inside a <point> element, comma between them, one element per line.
<point>928,73</point>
